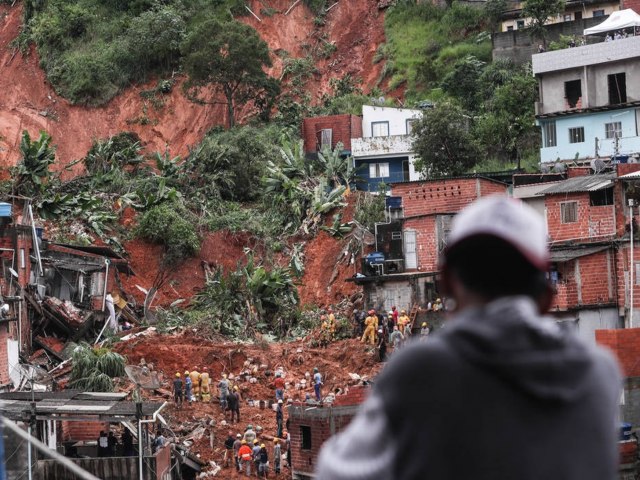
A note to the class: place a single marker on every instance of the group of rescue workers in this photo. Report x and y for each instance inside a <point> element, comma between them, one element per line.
<point>197,387</point>
<point>249,449</point>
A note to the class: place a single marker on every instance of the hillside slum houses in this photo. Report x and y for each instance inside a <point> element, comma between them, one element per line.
<point>52,295</point>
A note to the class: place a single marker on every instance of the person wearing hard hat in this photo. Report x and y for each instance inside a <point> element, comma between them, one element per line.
<point>317,384</point>
<point>245,454</point>
<point>369,332</point>
<point>424,331</point>
<point>277,455</point>
<point>188,387</point>
<point>279,418</point>
<point>205,382</point>
<point>437,305</point>
<point>236,450</point>
<point>177,389</point>
<point>195,382</point>
<point>255,453</point>
<point>263,456</point>
<point>545,401</point>
<point>403,321</point>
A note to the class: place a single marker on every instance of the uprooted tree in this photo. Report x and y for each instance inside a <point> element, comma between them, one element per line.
<point>229,57</point>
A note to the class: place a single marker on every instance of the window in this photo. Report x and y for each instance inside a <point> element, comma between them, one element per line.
<point>379,129</point>
<point>378,170</point>
<point>601,198</point>
<point>598,13</point>
<point>410,123</point>
<point>573,92</point>
<point>305,433</point>
<point>568,212</point>
<point>520,24</point>
<point>549,134</point>
<point>578,15</point>
<point>576,135</point>
<point>617,88</point>
<point>510,28</point>
<point>567,17</point>
<point>326,137</point>
<point>613,130</point>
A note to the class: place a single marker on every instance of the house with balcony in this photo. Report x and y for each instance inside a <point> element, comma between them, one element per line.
<point>589,101</point>
<point>512,19</point>
<point>384,152</point>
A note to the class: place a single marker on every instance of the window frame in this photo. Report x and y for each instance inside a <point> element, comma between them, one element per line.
<point>550,134</point>
<point>598,13</point>
<point>373,126</point>
<point>566,216</point>
<point>379,167</point>
<point>621,94</point>
<point>611,129</point>
<point>322,137</point>
<point>408,122</point>
<point>576,135</point>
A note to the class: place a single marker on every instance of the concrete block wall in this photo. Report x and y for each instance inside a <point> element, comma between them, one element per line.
<point>595,223</point>
<point>344,128</point>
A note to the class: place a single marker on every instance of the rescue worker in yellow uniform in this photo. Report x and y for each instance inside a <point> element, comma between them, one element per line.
<point>403,321</point>
<point>332,323</point>
<point>369,335</point>
<point>195,382</point>
<point>205,382</point>
<point>325,334</point>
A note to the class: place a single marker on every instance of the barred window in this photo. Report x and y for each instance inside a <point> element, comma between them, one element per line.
<point>569,212</point>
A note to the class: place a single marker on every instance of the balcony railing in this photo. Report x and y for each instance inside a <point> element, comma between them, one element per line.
<point>378,146</point>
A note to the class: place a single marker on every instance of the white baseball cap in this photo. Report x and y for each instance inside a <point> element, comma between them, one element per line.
<point>506,218</point>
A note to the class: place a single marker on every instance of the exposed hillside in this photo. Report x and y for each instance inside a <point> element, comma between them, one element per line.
<point>28,101</point>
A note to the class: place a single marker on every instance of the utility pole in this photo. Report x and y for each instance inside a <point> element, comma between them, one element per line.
<point>631,265</point>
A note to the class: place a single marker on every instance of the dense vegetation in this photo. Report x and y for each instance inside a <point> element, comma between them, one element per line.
<point>478,116</point>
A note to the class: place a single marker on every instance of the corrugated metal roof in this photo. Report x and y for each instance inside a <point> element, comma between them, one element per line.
<point>588,183</point>
<point>531,191</point>
<point>567,254</point>
<point>631,176</point>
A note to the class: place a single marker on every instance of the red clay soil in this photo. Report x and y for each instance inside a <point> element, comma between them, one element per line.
<point>29,102</point>
<point>177,353</point>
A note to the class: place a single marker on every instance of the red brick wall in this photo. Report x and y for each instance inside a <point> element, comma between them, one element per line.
<point>82,430</point>
<point>357,394</point>
<point>625,343</point>
<point>632,4</point>
<point>443,196</point>
<point>594,279</point>
<point>622,271</point>
<point>624,168</point>
<point>4,359</point>
<point>578,171</point>
<point>426,248</point>
<point>345,127</point>
<point>592,222</point>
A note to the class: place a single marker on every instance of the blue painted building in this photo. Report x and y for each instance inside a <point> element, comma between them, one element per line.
<point>589,102</point>
<point>384,154</point>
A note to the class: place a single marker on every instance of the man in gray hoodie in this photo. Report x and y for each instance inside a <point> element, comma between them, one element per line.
<point>501,392</point>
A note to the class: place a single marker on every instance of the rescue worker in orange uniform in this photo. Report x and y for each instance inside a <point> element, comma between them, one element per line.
<point>369,335</point>
<point>195,382</point>
<point>205,382</point>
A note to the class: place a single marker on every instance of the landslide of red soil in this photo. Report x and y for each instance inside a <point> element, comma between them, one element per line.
<point>185,351</point>
<point>29,102</point>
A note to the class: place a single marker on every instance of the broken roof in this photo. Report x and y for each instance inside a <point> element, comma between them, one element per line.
<point>588,183</point>
<point>74,405</point>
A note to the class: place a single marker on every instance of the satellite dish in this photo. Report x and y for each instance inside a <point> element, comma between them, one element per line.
<point>544,168</point>
<point>559,167</point>
<point>142,377</point>
<point>36,378</point>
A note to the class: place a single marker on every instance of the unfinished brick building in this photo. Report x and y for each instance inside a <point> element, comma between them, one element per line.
<point>318,132</point>
<point>311,425</point>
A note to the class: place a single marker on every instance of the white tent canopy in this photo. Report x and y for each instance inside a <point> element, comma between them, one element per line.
<point>617,21</point>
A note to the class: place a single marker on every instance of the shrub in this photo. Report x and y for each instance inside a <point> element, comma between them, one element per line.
<point>171,225</point>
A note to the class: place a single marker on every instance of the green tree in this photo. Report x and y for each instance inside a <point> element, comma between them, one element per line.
<point>443,142</point>
<point>539,11</point>
<point>493,10</point>
<point>462,81</point>
<point>32,174</point>
<point>93,369</point>
<point>230,57</point>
